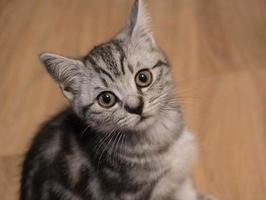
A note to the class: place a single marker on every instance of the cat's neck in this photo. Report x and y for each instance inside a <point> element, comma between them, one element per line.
<point>156,139</point>
<point>159,136</point>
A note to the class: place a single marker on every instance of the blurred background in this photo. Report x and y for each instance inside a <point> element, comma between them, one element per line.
<point>218,53</point>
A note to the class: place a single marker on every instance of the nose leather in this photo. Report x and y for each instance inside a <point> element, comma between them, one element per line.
<point>134,104</point>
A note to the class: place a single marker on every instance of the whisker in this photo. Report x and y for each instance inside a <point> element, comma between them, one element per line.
<point>107,145</point>
<point>84,131</point>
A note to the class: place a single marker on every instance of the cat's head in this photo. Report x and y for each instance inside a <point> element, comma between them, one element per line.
<point>124,84</point>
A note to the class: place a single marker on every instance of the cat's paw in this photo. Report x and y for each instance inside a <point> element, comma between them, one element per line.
<point>206,197</point>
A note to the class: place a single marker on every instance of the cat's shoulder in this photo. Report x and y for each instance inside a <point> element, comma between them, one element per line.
<point>55,134</point>
<point>64,122</point>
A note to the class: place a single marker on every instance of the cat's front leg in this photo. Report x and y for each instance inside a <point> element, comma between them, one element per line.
<point>188,192</point>
<point>205,197</point>
<point>174,190</point>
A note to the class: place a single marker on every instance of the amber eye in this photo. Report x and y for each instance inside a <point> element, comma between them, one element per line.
<point>106,99</point>
<point>143,78</point>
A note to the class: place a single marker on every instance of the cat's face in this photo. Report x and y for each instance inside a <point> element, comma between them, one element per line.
<point>123,89</point>
<point>124,84</point>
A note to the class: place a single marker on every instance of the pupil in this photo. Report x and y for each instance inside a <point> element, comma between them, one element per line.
<point>143,78</point>
<point>106,98</point>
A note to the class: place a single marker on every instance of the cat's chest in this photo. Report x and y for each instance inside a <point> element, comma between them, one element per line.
<point>139,195</point>
<point>135,182</point>
<point>136,178</point>
<point>140,170</point>
<point>132,181</point>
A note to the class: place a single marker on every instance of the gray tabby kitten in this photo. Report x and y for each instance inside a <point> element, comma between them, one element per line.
<point>124,137</point>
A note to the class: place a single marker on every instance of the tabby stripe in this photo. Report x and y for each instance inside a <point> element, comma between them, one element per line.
<point>156,81</point>
<point>130,68</point>
<point>159,64</point>
<point>107,56</point>
<point>95,113</point>
<point>154,98</point>
<point>81,187</point>
<point>104,82</point>
<point>122,64</point>
<point>133,156</point>
<point>97,68</point>
<point>86,108</point>
<point>122,54</point>
<point>57,191</point>
<point>159,76</point>
<point>107,74</point>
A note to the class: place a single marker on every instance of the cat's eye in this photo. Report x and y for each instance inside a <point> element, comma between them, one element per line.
<point>143,78</point>
<point>106,99</point>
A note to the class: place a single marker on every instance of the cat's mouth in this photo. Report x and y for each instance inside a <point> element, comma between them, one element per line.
<point>143,119</point>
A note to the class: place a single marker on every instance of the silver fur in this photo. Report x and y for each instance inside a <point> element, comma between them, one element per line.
<point>113,66</point>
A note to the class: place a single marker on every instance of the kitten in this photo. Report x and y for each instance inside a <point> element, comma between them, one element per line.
<point>123,137</point>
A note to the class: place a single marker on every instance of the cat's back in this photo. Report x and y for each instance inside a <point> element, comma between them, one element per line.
<point>55,155</point>
<point>55,135</point>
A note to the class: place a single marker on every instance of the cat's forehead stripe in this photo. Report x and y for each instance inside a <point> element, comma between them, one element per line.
<point>106,53</point>
<point>112,57</point>
<point>119,49</point>
<point>97,68</point>
<point>160,63</point>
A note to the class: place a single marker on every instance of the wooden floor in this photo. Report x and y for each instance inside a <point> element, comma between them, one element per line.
<point>218,53</point>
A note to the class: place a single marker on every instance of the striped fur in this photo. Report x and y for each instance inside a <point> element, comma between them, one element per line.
<point>96,153</point>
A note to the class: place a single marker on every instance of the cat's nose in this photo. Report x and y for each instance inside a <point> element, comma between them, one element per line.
<point>134,104</point>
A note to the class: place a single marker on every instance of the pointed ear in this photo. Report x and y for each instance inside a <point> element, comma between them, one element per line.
<point>137,28</point>
<point>65,71</point>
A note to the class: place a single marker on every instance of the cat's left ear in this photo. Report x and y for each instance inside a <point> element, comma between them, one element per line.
<point>66,72</point>
<point>137,29</point>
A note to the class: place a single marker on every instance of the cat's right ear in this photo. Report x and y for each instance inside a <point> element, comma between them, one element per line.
<point>65,71</point>
<point>137,29</point>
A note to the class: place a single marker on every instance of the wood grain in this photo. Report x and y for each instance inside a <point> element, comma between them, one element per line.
<point>217,50</point>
